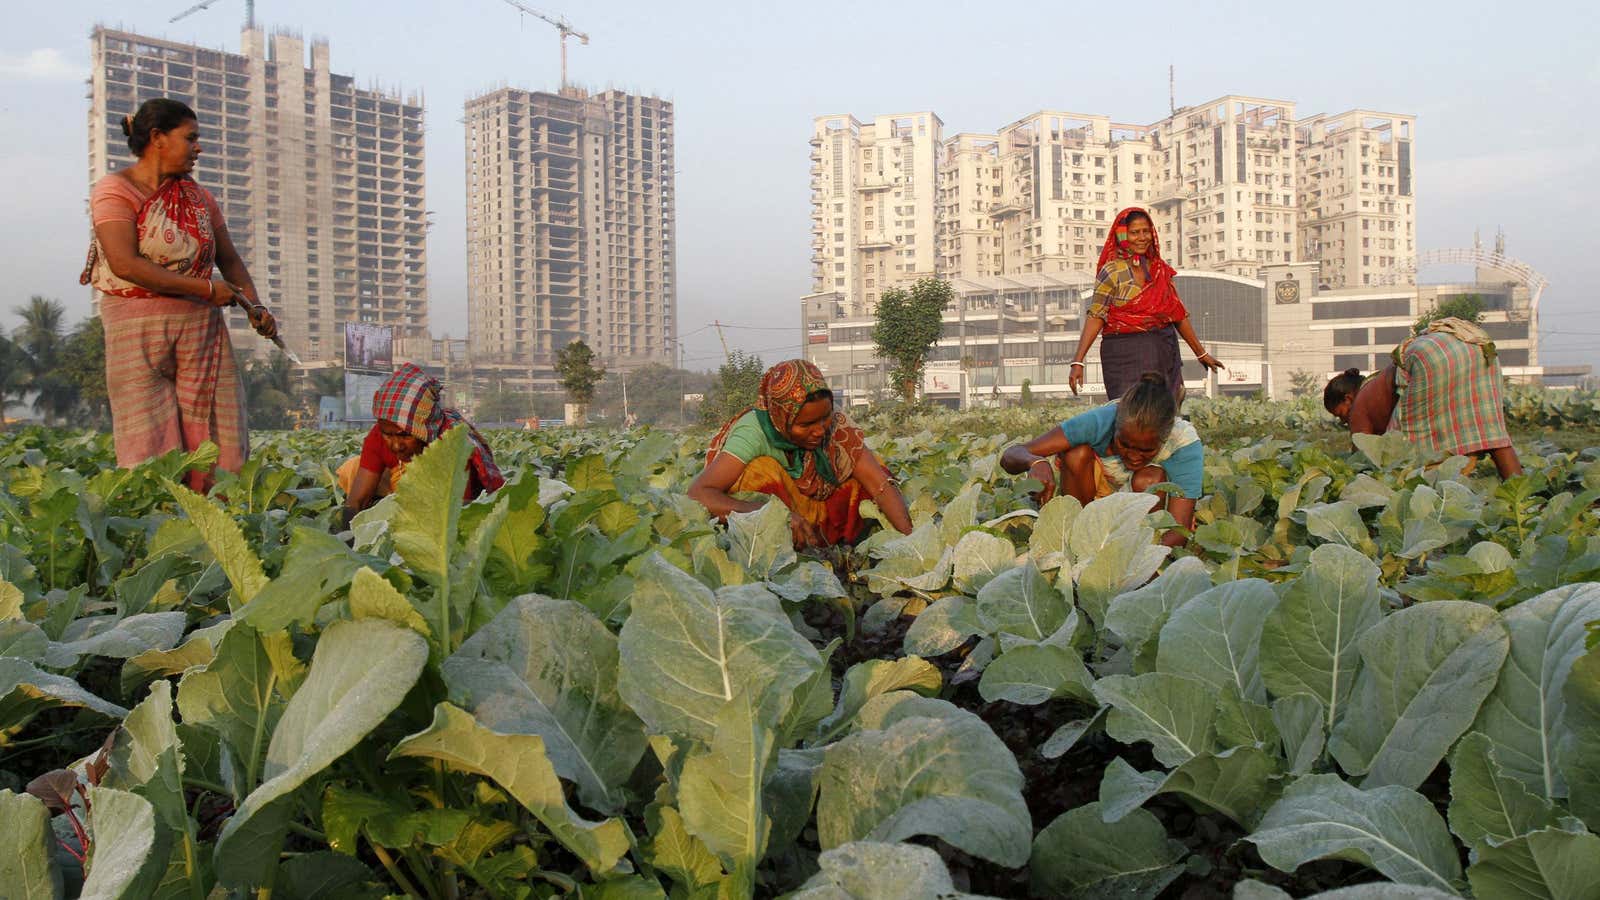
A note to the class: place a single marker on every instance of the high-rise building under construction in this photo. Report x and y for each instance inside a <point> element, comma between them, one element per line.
<point>570,227</point>
<point>321,182</point>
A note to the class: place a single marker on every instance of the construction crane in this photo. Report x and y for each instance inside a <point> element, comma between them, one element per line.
<point>561,25</point>
<point>249,11</point>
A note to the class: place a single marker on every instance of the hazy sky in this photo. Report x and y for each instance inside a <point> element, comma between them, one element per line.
<point>1507,132</point>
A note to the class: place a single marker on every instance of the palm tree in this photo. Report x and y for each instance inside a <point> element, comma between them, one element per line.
<point>40,340</point>
<point>269,387</point>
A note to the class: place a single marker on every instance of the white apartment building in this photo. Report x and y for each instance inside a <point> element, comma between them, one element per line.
<point>1357,201</point>
<point>1225,175</point>
<point>874,203</point>
<point>570,227</point>
<point>321,182</point>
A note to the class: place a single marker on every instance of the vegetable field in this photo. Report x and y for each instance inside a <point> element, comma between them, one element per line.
<point>1365,677</point>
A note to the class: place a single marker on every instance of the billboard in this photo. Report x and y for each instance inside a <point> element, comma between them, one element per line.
<point>358,391</point>
<point>941,381</point>
<point>330,413</point>
<point>368,347</point>
<point>817,333</point>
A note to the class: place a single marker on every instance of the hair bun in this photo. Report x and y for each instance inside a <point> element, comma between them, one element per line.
<point>1153,378</point>
<point>1354,372</point>
<point>127,126</point>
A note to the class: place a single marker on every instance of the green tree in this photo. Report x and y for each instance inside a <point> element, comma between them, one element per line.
<point>737,384</point>
<point>269,392</point>
<point>654,391</point>
<point>13,372</point>
<point>501,405</point>
<point>1027,392</point>
<point>1304,383</point>
<point>1461,306</point>
<point>83,366</point>
<point>578,374</point>
<point>40,340</point>
<point>909,324</point>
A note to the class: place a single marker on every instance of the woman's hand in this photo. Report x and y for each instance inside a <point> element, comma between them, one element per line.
<point>1075,378</point>
<point>1211,362</point>
<point>1041,471</point>
<point>220,293</point>
<point>804,533</point>
<point>262,320</point>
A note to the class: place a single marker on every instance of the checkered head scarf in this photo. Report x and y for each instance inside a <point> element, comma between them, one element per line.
<point>410,398</point>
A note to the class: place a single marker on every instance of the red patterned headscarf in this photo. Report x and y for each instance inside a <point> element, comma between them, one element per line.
<point>784,389</point>
<point>410,398</point>
<point>1157,305</point>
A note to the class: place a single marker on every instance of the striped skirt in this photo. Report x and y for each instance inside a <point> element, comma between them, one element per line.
<point>1449,397</point>
<point>173,382</point>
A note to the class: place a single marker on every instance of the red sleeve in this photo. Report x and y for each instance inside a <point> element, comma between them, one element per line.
<point>375,453</point>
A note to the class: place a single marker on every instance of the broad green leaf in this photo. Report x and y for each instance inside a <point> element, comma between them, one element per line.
<point>429,506</point>
<point>466,574</point>
<point>1021,601</point>
<point>387,821</point>
<point>227,543</point>
<point>1175,714</point>
<point>128,859</point>
<point>1245,723</point>
<point>1048,544</point>
<point>21,639</point>
<point>360,672</point>
<point>1486,804</point>
<point>147,758</point>
<point>942,627</point>
<point>873,677</point>
<point>1425,671</point>
<point>517,763</point>
<point>1392,829</point>
<point>237,696</point>
<point>812,701</point>
<point>1579,751</point>
<point>1104,520</point>
<point>1365,491</point>
<point>321,875</point>
<point>26,867</point>
<point>790,794</point>
<point>950,777</point>
<point>26,689</point>
<point>1238,783</point>
<point>1299,720</point>
<point>760,541</point>
<point>316,567</point>
<point>1080,856</point>
<point>1122,564</point>
<point>979,557</point>
<point>809,579</point>
<point>1309,642</point>
<point>1031,674</point>
<point>1524,715</point>
<point>512,567</point>
<point>1064,738</point>
<point>199,647</point>
<point>1215,637</point>
<point>719,792</point>
<point>10,601</point>
<point>871,870</point>
<point>959,514</point>
<point>549,667</point>
<point>116,639</point>
<point>1137,616</point>
<point>686,651</point>
<point>1549,863</point>
<point>679,854</point>
<point>373,597</point>
<point>1339,523</point>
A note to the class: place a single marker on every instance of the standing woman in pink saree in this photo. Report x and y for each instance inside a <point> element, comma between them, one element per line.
<point>170,370</point>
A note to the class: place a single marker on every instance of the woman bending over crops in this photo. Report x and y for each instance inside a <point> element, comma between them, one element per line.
<point>410,416</point>
<point>1442,391</point>
<point>794,445</point>
<point>1131,444</point>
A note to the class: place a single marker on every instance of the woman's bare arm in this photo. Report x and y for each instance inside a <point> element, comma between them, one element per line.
<point>120,243</point>
<point>881,489</point>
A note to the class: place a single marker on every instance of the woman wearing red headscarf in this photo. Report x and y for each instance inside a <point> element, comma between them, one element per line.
<point>1137,307</point>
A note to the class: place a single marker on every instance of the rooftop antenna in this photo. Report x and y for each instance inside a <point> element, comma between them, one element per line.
<point>1172,92</point>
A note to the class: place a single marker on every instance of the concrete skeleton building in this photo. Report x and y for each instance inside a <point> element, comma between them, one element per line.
<point>570,228</point>
<point>321,182</point>
<point>1234,185</point>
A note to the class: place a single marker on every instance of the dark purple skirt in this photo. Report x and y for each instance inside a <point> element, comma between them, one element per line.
<point>1124,358</point>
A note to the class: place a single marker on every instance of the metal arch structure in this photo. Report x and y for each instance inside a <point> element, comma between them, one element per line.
<point>1478,257</point>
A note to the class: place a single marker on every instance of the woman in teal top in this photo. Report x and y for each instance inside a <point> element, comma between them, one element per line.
<point>1131,444</point>
<point>794,445</point>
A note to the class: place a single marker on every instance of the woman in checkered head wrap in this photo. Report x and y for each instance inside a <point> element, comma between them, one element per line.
<point>410,416</point>
<point>796,446</point>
